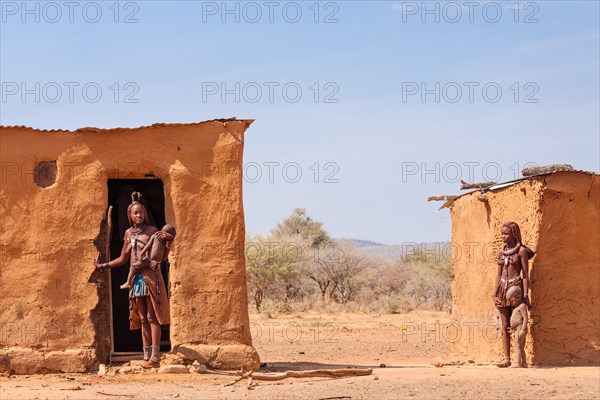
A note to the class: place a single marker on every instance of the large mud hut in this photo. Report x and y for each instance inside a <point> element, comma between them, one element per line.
<point>60,314</point>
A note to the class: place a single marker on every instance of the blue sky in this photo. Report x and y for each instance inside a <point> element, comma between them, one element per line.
<point>369,133</point>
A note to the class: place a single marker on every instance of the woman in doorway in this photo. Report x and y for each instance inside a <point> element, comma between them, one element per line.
<point>513,270</point>
<point>149,306</point>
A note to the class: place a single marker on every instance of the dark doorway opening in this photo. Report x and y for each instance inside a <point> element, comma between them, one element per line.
<point>119,197</point>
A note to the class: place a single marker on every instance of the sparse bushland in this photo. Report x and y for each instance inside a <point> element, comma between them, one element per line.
<point>300,268</point>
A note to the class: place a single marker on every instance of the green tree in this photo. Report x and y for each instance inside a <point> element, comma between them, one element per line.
<point>300,225</point>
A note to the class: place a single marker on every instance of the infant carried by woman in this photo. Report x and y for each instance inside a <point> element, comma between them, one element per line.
<point>154,251</point>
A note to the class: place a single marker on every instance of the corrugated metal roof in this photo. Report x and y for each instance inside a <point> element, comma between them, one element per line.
<point>93,129</point>
<point>501,185</point>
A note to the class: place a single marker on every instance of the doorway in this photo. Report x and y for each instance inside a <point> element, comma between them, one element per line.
<point>125,341</point>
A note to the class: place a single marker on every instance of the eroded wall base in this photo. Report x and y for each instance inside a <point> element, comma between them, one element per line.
<point>229,357</point>
<point>19,360</point>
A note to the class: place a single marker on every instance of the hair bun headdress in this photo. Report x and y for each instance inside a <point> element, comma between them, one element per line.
<point>136,199</point>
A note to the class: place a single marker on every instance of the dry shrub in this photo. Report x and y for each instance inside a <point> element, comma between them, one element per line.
<point>299,269</point>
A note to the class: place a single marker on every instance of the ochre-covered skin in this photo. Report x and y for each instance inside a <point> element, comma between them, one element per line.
<point>54,313</point>
<point>559,216</point>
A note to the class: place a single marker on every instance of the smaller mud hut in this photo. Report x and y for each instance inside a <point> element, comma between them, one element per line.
<point>559,216</point>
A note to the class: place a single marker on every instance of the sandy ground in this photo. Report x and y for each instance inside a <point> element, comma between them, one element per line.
<point>401,368</point>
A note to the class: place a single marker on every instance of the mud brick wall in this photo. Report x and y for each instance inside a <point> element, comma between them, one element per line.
<point>567,273</point>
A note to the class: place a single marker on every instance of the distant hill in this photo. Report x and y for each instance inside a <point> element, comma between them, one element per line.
<point>360,242</point>
<point>392,252</point>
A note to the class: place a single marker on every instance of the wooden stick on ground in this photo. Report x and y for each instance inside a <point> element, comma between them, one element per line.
<point>313,373</point>
<point>335,398</point>
<point>244,375</point>
<point>334,373</point>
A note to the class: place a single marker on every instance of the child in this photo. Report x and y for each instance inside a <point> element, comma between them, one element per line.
<point>518,322</point>
<point>156,250</point>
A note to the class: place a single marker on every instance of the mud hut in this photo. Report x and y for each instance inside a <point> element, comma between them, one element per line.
<point>57,313</point>
<point>559,216</point>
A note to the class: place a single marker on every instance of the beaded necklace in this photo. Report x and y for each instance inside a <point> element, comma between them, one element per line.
<point>506,255</point>
<point>136,233</point>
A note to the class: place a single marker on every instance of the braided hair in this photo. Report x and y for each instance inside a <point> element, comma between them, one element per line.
<point>516,232</point>
<point>514,229</point>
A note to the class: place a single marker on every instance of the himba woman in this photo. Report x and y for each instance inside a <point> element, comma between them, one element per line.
<point>513,270</point>
<point>148,303</point>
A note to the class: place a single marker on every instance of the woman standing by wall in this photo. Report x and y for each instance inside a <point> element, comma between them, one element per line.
<point>149,306</point>
<point>513,270</point>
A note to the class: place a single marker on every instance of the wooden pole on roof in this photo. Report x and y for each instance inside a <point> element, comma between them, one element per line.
<point>444,197</point>
<point>544,169</point>
<point>475,185</point>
